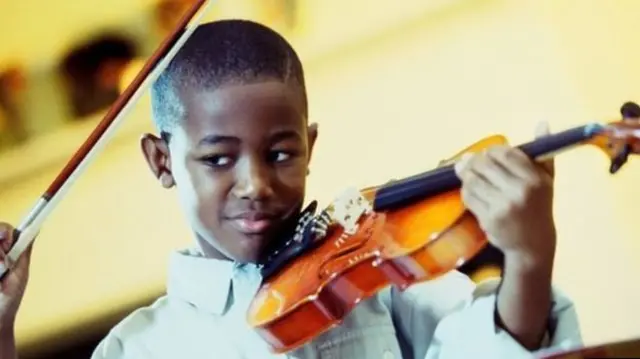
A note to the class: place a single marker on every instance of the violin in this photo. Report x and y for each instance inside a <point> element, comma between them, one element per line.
<point>620,349</point>
<point>403,232</point>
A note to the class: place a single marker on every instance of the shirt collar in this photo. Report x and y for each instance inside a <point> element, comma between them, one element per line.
<point>206,282</point>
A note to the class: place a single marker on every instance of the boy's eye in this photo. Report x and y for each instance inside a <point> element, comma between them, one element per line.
<point>218,161</point>
<point>280,156</point>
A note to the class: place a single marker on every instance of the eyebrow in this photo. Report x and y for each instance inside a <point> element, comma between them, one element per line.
<point>285,135</point>
<point>211,140</point>
<point>216,139</point>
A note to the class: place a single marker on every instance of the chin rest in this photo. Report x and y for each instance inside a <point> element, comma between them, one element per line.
<point>309,228</point>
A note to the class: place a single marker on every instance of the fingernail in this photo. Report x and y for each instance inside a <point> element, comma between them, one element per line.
<point>462,162</point>
<point>542,129</point>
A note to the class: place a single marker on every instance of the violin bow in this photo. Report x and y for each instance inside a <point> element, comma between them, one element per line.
<point>29,228</point>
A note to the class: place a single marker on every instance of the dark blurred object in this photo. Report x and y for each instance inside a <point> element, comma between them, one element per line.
<point>291,12</point>
<point>278,14</point>
<point>82,350</point>
<point>92,72</point>
<point>12,86</point>
<point>283,12</point>
<point>630,110</point>
<point>168,13</point>
<point>80,342</point>
<point>489,256</point>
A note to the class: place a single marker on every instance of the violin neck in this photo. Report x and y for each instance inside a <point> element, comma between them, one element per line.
<point>549,146</point>
<point>408,190</point>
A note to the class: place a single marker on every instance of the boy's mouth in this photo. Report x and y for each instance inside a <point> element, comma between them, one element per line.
<point>254,223</point>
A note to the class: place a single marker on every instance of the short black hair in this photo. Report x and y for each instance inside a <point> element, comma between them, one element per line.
<point>219,53</point>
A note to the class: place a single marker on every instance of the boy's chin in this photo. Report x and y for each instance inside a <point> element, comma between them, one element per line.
<point>239,249</point>
<point>247,258</point>
<point>250,249</point>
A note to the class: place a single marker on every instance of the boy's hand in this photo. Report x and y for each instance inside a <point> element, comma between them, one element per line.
<point>512,198</point>
<point>13,284</point>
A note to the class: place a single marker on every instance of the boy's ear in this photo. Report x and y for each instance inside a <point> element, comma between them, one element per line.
<point>312,135</point>
<point>156,152</point>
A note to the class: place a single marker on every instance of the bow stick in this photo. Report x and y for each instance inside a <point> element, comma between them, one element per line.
<point>30,226</point>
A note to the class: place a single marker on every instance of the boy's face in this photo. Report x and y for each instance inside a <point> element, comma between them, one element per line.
<point>239,162</point>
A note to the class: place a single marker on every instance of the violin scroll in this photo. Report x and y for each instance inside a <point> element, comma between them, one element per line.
<point>620,139</point>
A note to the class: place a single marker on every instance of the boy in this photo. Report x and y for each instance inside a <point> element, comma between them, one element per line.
<point>231,110</point>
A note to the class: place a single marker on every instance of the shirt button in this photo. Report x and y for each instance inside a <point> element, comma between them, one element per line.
<point>388,355</point>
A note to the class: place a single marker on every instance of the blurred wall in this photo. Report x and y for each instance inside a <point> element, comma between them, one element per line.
<point>421,91</point>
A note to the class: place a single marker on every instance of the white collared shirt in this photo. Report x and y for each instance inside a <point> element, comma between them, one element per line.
<point>203,316</point>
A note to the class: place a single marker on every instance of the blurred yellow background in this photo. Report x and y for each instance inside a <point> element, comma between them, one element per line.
<point>395,87</point>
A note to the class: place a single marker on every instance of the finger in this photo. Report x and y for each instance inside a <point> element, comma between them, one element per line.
<point>543,130</point>
<point>513,161</point>
<point>6,237</point>
<point>462,164</point>
<point>21,266</point>
<point>8,275</point>
<point>473,202</point>
<point>467,171</point>
<point>3,255</point>
<point>17,272</point>
<point>469,195</point>
<point>496,174</point>
<point>478,186</point>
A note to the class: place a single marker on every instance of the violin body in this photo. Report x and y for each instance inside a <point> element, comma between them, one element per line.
<point>398,247</point>
<point>400,233</point>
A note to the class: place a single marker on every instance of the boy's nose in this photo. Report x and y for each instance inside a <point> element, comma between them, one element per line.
<point>253,182</point>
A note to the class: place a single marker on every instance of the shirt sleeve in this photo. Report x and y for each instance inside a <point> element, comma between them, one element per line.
<point>111,347</point>
<point>451,318</point>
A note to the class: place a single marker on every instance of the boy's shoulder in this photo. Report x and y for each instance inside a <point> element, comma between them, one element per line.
<point>144,319</point>
<point>150,324</point>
